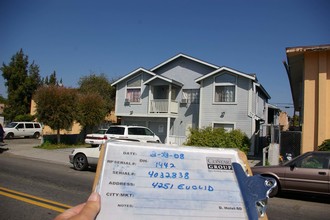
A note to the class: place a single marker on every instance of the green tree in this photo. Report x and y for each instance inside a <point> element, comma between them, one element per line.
<point>295,120</point>
<point>22,80</point>
<point>2,100</point>
<point>218,138</point>
<point>92,110</point>
<point>52,80</point>
<point>101,85</point>
<point>56,107</point>
<point>325,146</point>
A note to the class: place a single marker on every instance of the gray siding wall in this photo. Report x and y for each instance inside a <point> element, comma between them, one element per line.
<point>187,118</point>
<point>184,71</point>
<point>138,109</point>
<point>261,105</point>
<point>234,113</point>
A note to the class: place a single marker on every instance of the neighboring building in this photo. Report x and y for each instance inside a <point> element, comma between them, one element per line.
<point>2,120</point>
<point>308,70</point>
<point>284,121</point>
<point>2,107</point>
<point>76,127</point>
<point>184,92</point>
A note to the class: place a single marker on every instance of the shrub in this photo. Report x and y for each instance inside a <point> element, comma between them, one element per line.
<point>325,146</point>
<point>218,138</point>
<point>26,117</point>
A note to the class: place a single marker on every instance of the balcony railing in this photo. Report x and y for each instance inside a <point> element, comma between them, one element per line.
<point>163,106</point>
<point>177,140</point>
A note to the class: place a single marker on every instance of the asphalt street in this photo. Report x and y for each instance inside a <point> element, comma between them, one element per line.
<point>278,208</point>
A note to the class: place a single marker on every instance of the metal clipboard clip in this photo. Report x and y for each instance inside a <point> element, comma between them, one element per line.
<point>255,191</point>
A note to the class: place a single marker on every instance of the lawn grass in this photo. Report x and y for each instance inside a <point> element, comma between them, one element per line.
<point>49,146</point>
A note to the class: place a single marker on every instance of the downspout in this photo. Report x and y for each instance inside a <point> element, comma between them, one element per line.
<point>150,98</point>
<point>169,112</point>
<point>169,99</point>
<point>253,124</point>
<point>168,130</point>
<point>200,104</point>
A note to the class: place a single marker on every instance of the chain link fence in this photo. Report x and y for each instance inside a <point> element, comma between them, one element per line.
<point>289,141</point>
<point>290,144</point>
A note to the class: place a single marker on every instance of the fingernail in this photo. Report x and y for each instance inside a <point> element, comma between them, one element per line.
<point>93,197</point>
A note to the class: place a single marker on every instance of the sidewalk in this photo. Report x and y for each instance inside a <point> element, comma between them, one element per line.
<point>255,161</point>
<point>27,149</point>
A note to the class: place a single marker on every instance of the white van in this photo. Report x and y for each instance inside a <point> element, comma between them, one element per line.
<point>143,134</point>
<point>23,129</point>
<point>123,132</point>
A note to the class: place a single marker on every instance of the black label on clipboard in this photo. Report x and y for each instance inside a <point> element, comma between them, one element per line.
<point>217,164</point>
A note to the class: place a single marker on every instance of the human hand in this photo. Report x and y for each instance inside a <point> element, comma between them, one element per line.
<point>84,211</point>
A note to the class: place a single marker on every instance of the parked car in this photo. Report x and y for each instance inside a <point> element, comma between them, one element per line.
<point>308,172</point>
<point>23,129</point>
<point>83,158</point>
<point>140,133</point>
<point>97,138</point>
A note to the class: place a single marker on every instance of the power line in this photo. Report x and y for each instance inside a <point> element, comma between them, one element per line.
<point>282,103</point>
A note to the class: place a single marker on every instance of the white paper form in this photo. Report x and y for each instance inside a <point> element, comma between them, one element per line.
<point>168,183</point>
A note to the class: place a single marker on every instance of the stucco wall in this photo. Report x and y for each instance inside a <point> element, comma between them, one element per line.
<point>316,118</point>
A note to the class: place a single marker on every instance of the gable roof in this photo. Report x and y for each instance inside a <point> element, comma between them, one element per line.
<point>131,74</point>
<point>184,56</point>
<point>252,77</point>
<point>303,49</point>
<point>164,79</point>
<point>294,69</point>
<point>263,90</point>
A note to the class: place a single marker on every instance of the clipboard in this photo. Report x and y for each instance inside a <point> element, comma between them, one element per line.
<point>164,182</point>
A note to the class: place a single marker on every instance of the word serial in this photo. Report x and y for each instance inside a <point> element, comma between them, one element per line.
<point>123,173</point>
<point>121,162</point>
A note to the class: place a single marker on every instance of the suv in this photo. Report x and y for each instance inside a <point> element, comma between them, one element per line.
<point>125,132</point>
<point>23,129</point>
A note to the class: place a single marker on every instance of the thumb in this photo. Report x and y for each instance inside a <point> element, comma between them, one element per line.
<point>92,207</point>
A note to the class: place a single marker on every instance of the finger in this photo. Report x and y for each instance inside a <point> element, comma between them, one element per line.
<point>92,207</point>
<point>70,212</point>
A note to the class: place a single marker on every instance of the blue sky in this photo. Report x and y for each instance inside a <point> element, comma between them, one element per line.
<point>79,37</point>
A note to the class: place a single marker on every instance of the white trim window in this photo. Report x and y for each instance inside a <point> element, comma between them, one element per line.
<point>191,95</point>
<point>133,89</point>
<point>225,88</point>
<point>227,126</point>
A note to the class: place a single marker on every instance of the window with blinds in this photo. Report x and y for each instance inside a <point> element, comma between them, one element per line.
<point>133,89</point>
<point>225,88</point>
